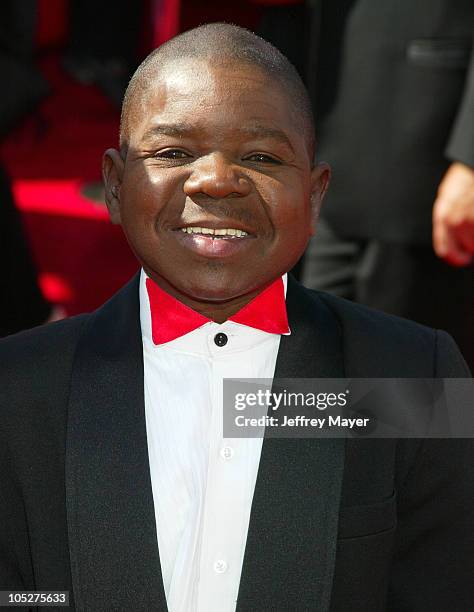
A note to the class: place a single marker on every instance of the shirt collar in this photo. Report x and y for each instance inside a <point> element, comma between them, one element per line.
<point>208,326</point>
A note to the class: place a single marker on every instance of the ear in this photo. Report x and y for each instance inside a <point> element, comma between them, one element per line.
<point>112,174</point>
<point>320,177</point>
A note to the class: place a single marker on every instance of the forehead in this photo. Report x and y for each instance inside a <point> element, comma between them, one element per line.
<point>218,97</point>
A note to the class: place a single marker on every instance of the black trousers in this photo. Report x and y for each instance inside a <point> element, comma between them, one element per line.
<point>407,280</point>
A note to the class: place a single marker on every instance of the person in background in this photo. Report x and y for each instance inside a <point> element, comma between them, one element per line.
<point>22,304</point>
<point>392,86</point>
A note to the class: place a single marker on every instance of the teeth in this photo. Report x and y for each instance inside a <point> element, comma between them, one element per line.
<point>233,233</point>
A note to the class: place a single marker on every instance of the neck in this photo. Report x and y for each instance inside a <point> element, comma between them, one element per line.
<point>219,311</point>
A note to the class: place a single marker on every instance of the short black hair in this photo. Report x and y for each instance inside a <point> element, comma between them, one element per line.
<point>221,42</point>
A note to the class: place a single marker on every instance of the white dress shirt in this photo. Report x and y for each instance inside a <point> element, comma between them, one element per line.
<point>202,484</point>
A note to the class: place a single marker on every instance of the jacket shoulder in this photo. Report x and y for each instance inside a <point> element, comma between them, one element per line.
<point>372,321</point>
<point>42,341</point>
<point>377,344</point>
<point>40,357</point>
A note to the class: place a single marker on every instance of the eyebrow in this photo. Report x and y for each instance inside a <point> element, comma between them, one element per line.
<point>170,129</point>
<point>181,130</point>
<point>263,131</point>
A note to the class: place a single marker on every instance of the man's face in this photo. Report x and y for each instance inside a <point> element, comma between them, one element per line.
<point>215,148</point>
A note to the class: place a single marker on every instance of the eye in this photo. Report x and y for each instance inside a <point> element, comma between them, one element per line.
<point>262,158</point>
<point>176,154</point>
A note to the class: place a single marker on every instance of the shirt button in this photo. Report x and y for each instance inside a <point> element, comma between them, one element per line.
<point>227,452</point>
<point>220,339</point>
<point>220,566</point>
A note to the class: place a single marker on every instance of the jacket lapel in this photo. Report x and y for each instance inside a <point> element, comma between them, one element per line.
<point>291,544</point>
<point>113,544</point>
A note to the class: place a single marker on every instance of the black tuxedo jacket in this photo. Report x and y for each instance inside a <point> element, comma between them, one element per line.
<point>336,525</point>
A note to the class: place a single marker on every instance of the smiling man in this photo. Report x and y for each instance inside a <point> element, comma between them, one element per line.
<point>117,484</point>
<point>214,184</point>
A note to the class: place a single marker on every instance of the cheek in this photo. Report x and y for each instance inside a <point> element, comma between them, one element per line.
<point>289,210</point>
<point>287,205</point>
<point>146,196</point>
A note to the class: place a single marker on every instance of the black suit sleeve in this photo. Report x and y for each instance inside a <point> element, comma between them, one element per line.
<point>433,561</point>
<point>461,142</point>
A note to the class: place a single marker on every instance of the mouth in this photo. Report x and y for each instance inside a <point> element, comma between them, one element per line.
<point>214,233</point>
<point>214,242</point>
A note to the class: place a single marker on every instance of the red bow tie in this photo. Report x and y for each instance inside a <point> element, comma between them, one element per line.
<point>171,319</point>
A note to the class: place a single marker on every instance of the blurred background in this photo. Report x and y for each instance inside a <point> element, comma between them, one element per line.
<point>65,65</point>
<point>392,87</point>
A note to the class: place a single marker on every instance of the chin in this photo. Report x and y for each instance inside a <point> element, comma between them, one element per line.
<point>213,282</point>
<point>218,287</point>
<point>214,291</point>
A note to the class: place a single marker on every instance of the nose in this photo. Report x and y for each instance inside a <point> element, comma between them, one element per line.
<point>216,177</point>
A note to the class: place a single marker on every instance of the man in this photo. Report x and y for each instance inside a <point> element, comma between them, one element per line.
<point>117,484</point>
